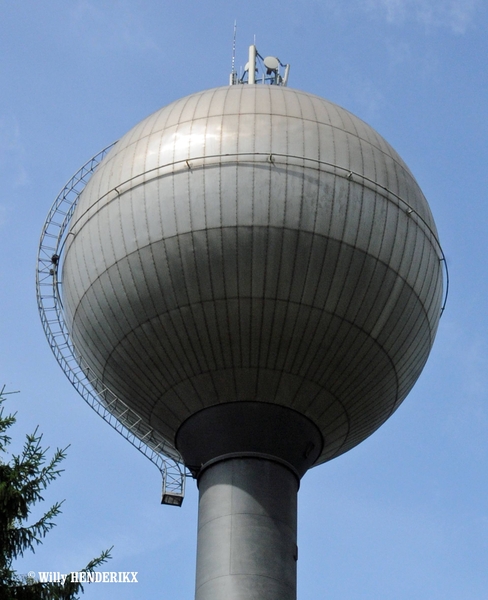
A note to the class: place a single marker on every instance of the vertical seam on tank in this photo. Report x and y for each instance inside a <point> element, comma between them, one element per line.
<point>261,304</point>
<point>351,344</point>
<point>279,269</point>
<point>333,200</point>
<point>190,359</point>
<point>331,381</point>
<point>312,401</point>
<point>316,331</point>
<point>260,348</point>
<point>222,248</point>
<point>234,359</point>
<point>353,340</point>
<point>421,317</point>
<point>357,233</point>
<point>170,276</point>
<point>304,342</point>
<point>360,220</point>
<point>95,339</point>
<point>170,376</point>
<point>197,273</point>
<point>419,295</point>
<point>347,204</point>
<point>406,323</point>
<point>165,352</point>
<point>275,304</point>
<point>413,342</point>
<point>326,243</point>
<point>231,546</point>
<point>377,197</point>
<point>131,153</point>
<point>256,90</point>
<point>109,305</point>
<point>299,238</point>
<point>299,227</point>
<point>120,359</point>
<point>221,359</point>
<point>321,363</point>
<point>175,366</point>
<point>133,211</point>
<point>228,357</point>
<point>257,359</point>
<point>189,234</point>
<point>370,237</point>
<point>168,355</point>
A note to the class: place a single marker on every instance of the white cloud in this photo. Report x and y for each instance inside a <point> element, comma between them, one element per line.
<point>456,15</point>
<point>121,26</point>
<point>395,10</point>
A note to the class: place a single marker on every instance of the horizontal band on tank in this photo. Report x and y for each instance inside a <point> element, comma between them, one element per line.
<point>271,159</point>
<point>248,455</point>
<point>313,234</point>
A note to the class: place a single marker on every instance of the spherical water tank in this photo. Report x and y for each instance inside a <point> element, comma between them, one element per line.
<point>255,244</point>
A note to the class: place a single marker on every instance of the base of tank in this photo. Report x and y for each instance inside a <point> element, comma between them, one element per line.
<point>248,458</point>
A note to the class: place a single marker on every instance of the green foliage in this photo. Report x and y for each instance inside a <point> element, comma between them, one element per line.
<point>23,479</point>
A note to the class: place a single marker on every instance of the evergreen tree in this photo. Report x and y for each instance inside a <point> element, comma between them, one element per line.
<point>22,481</point>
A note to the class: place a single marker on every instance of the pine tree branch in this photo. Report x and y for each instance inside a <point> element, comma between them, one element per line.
<point>22,480</point>
<point>21,539</point>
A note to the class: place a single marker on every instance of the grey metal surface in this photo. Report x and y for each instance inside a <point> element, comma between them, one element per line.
<point>255,243</point>
<point>247,531</point>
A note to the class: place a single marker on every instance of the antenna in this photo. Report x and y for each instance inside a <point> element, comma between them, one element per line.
<point>233,74</point>
<point>268,70</point>
<point>251,70</point>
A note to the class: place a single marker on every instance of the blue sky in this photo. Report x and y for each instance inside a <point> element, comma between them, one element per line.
<point>405,514</point>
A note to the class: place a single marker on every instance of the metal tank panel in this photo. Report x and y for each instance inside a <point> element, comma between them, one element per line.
<point>255,243</point>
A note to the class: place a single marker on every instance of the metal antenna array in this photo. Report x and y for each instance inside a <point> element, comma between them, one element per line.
<point>103,401</point>
<point>268,70</point>
<point>233,74</point>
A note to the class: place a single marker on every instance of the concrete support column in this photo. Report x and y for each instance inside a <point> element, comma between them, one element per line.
<point>247,531</point>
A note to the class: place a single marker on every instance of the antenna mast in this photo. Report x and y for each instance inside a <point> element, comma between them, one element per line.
<point>233,74</point>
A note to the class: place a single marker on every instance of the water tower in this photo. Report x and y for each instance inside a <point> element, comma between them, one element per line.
<point>247,285</point>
